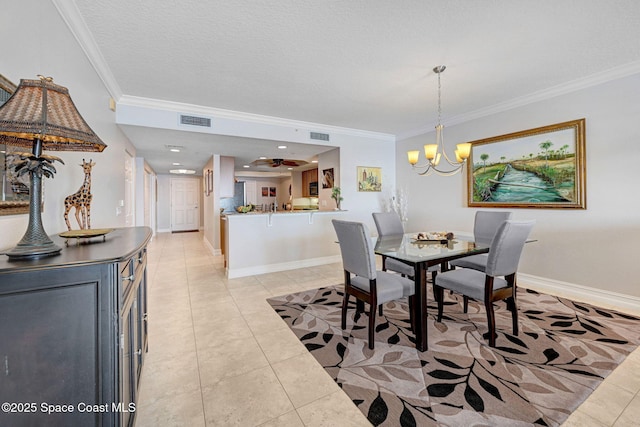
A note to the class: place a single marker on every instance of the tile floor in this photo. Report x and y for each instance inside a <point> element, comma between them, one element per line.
<point>220,356</point>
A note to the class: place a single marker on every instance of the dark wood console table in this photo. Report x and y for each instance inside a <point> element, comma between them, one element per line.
<point>73,333</point>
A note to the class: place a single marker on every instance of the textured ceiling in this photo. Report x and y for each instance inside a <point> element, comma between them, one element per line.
<point>362,64</point>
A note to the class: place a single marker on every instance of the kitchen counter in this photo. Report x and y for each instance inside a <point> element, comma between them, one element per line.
<point>281,212</point>
<point>265,242</point>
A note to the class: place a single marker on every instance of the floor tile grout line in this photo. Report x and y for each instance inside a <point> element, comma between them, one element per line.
<point>279,381</point>
<point>195,338</point>
<point>183,255</point>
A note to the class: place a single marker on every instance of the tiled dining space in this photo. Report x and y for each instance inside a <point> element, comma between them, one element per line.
<point>220,356</point>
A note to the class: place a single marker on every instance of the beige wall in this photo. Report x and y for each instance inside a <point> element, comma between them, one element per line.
<point>596,248</point>
<point>43,45</point>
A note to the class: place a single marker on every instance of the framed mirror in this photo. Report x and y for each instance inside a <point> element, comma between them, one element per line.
<point>14,191</point>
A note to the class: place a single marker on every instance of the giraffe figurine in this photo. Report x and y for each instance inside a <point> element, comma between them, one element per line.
<point>81,200</point>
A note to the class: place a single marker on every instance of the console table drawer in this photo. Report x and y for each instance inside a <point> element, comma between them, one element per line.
<point>132,270</point>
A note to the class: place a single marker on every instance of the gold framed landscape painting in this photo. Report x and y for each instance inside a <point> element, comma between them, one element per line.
<point>369,178</point>
<point>536,168</point>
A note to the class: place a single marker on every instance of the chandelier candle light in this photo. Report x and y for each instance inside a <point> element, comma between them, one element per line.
<point>41,115</point>
<point>435,152</point>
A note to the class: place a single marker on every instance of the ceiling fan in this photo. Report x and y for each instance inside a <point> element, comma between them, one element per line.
<point>279,162</point>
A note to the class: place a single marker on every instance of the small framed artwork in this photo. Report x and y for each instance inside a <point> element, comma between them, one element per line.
<point>265,191</point>
<point>369,178</point>
<point>536,168</point>
<point>272,191</point>
<point>327,178</point>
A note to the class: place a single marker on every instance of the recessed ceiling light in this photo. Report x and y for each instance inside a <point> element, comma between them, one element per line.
<point>290,169</point>
<point>176,164</point>
<point>314,161</point>
<point>246,166</point>
<point>263,158</point>
<point>182,171</point>
<point>174,148</point>
<point>282,147</point>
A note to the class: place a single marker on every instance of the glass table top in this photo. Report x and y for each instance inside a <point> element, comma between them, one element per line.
<point>407,248</point>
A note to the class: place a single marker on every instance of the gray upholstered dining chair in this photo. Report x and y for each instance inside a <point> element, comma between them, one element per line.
<point>497,282</point>
<point>389,224</point>
<point>485,225</point>
<point>361,279</point>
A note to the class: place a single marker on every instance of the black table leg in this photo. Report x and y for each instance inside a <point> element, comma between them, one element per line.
<point>421,307</point>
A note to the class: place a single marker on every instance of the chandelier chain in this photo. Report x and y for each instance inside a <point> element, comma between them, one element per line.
<point>439,101</point>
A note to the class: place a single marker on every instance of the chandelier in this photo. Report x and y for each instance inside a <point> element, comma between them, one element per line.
<point>435,152</point>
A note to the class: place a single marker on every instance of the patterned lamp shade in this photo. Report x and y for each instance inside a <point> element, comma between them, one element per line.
<point>42,110</point>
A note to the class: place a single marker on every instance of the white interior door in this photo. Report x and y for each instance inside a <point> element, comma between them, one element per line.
<point>185,215</point>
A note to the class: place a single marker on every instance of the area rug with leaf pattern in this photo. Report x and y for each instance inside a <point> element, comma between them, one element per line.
<point>563,352</point>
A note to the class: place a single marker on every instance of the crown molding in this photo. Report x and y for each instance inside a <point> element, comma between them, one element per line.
<point>78,27</point>
<point>542,95</point>
<point>158,104</point>
<point>72,17</point>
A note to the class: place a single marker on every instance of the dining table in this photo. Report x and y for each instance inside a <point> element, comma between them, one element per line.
<point>422,253</point>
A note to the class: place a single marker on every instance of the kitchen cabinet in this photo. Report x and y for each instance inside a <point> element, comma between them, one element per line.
<point>309,178</point>
<point>227,176</point>
<point>223,238</point>
<point>73,332</point>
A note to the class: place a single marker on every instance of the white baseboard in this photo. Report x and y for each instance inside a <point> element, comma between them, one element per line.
<point>283,266</point>
<point>214,251</point>
<point>624,303</point>
<point>164,230</point>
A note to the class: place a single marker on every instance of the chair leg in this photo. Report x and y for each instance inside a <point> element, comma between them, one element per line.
<point>412,312</point>
<point>465,303</point>
<point>359,306</point>
<point>372,325</point>
<point>345,302</point>
<point>380,310</point>
<point>491,321</point>
<point>433,283</point>
<point>439,295</point>
<point>511,305</point>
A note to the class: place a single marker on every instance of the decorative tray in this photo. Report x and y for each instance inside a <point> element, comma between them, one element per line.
<point>91,232</point>
<point>437,237</point>
<point>85,234</point>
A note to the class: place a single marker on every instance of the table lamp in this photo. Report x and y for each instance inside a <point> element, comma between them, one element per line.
<point>41,115</point>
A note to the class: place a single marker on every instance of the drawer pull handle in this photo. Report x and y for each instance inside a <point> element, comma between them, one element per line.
<point>129,277</point>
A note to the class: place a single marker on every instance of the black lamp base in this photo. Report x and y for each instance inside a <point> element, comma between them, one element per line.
<point>33,251</point>
<point>35,243</point>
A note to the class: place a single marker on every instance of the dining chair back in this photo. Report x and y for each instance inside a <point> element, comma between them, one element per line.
<point>358,256</point>
<point>497,282</point>
<point>361,279</point>
<point>388,223</point>
<point>485,225</point>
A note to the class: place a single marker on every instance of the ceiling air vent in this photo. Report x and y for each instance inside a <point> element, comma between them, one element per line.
<point>195,121</point>
<point>319,136</point>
